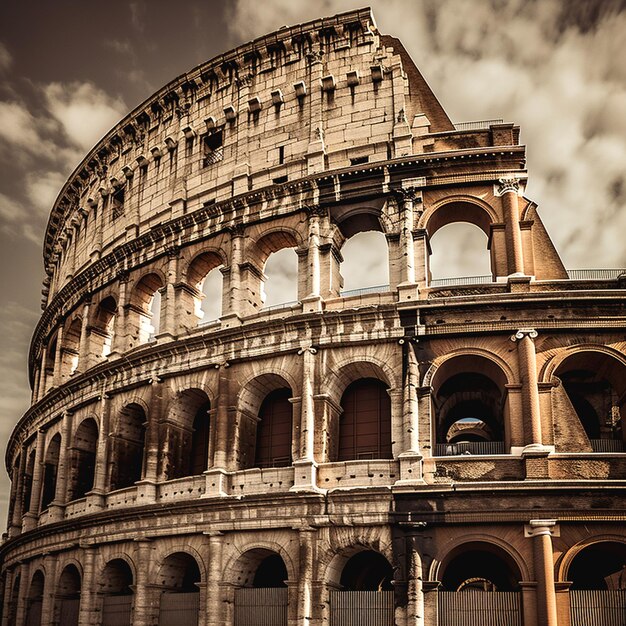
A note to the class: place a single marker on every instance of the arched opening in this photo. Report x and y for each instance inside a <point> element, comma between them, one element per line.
<point>482,580</point>
<point>83,459</point>
<point>146,299</point>
<point>365,423</point>
<point>366,593</point>
<point>13,602</point>
<point>28,481</point>
<point>469,404</point>
<point>179,577</point>
<point>280,278</point>
<point>459,250</point>
<point>35,599</point>
<point>261,595</point>
<point>595,386</point>
<point>51,352</point>
<point>128,447</point>
<point>273,435</point>
<point>71,345</point>
<point>187,436</point>
<point>205,276</point>
<point>365,262</point>
<point>598,591</point>
<point>67,597</point>
<point>367,571</point>
<point>50,471</point>
<point>101,333</point>
<point>116,591</point>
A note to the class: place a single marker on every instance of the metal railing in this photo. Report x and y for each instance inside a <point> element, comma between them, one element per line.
<point>597,274</point>
<point>267,606</point>
<point>469,448</point>
<point>607,445</point>
<point>478,125</point>
<point>479,608</point>
<point>598,607</point>
<point>463,280</point>
<point>364,291</point>
<point>282,305</point>
<point>361,608</point>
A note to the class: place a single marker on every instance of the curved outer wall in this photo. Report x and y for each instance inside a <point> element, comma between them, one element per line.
<point>148,440</point>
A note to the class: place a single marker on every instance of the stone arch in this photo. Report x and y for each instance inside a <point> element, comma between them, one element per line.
<point>102,328</point>
<point>564,563</point>
<point>239,571</point>
<point>470,410</point>
<point>117,555</point>
<point>83,458</point>
<point>50,470</point>
<point>115,586</point>
<point>71,346</point>
<point>266,421</point>
<point>200,269</point>
<point>509,557</point>
<point>35,598</point>
<point>359,217</point>
<point>458,208</point>
<point>592,393</point>
<point>144,314</point>
<point>67,598</point>
<point>350,369</point>
<point>187,434</point>
<point>128,443</point>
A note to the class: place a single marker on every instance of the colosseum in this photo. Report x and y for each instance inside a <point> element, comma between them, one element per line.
<point>429,452</point>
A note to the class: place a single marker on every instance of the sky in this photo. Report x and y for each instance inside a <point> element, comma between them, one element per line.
<point>70,69</point>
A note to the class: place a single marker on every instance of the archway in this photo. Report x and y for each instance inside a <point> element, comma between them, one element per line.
<point>102,331</point>
<point>479,580</point>
<point>366,592</point>
<point>144,318</point>
<point>274,430</point>
<point>116,591</point>
<point>280,283</point>
<point>128,447</point>
<point>598,577</point>
<point>261,594</point>
<point>83,463</point>
<point>67,598</point>
<point>35,599</point>
<point>595,386</point>
<point>179,577</point>
<point>469,406</point>
<point>187,434</point>
<point>50,471</point>
<point>460,252</point>
<point>365,423</point>
<point>365,262</point>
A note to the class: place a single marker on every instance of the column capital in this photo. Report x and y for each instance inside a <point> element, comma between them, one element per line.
<point>310,349</point>
<point>524,332</point>
<point>538,527</point>
<point>508,184</point>
<point>315,210</point>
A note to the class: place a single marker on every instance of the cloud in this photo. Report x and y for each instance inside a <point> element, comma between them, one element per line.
<point>6,60</point>
<point>84,111</point>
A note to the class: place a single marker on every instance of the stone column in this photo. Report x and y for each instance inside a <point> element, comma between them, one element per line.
<point>431,602</point>
<point>305,576</point>
<point>313,300</point>
<point>410,457</point>
<point>147,486</point>
<point>83,345</point>
<point>88,584</point>
<point>22,597</point>
<point>214,579</point>
<point>57,506</point>
<point>421,247</point>
<point>100,479</point>
<point>57,376</point>
<point>236,307</point>
<point>9,578</point>
<point>541,532</point>
<point>49,589</point>
<point>168,313</point>
<point>120,325</point>
<point>216,475</point>
<point>30,519</point>
<point>527,360</point>
<point>16,519</point>
<point>415,609</point>
<point>406,197</point>
<point>305,467</point>
<point>316,150</point>
<point>42,387</point>
<point>508,190</point>
<point>143,611</point>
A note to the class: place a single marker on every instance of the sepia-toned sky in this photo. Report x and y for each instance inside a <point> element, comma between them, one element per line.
<point>70,69</point>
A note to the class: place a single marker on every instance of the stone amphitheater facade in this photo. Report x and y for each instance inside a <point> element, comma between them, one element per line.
<point>406,455</point>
